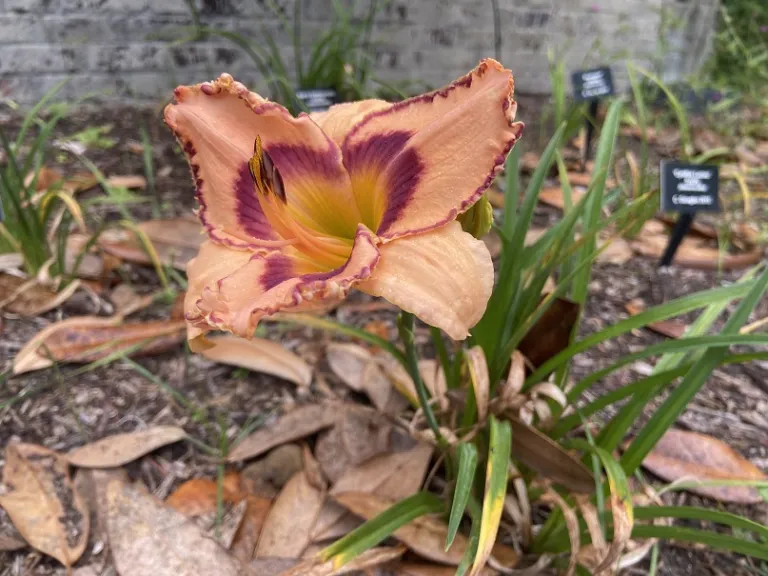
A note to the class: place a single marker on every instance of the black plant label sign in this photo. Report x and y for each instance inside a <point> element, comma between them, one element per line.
<point>689,188</point>
<point>592,84</point>
<point>317,99</point>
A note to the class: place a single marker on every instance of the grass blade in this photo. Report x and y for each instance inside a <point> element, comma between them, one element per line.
<point>642,120</point>
<point>464,482</point>
<point>677,108</point>
<point>32,114</point>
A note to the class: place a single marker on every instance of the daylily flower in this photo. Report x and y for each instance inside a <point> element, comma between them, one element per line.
<point>300,210</point>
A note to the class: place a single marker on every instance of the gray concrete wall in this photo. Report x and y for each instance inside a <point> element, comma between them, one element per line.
<point>119,46</point>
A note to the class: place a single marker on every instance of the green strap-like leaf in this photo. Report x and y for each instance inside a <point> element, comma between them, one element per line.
<point>495,490</point>
<point>591,220</point>
<point>662,312</point>
<point>464,481</point>
<point>712,539</point>
<point>488,331</point>
<point>674,405</point>
<point>474,538</point>
<point>706,514</point>
<point>381,527</point>
<point>617,479</point>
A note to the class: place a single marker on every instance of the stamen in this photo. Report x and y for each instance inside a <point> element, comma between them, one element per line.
<point>265,174</point>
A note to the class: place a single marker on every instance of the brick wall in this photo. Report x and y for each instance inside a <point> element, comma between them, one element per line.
<point>120,46</point>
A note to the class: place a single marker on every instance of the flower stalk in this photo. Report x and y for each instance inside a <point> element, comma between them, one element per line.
<point>405,330</point>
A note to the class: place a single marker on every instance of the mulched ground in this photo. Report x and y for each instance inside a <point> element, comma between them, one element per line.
<point>62,413</point>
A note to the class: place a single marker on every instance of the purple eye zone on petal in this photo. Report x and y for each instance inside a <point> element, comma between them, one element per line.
<point>278,269</point>
<point>249,213</point>
<point>403,168</point>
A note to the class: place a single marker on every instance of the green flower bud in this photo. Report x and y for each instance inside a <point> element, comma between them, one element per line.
<point>478,219</point>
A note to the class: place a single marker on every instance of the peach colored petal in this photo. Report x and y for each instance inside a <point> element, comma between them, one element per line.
<point>212,263</point>
<point>217,124</point>
<point>422,161</point>
<point>268,283</point>
<point>444,276</point>
<point>339,119</point>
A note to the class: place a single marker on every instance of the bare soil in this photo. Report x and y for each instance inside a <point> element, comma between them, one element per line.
<point>48,408</point>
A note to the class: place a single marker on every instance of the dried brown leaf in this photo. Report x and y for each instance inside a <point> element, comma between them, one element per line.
<point>39,497</point>
<point>176,241</point>
<point>259,355</point>
<point>91,484</point>
<point>689,255</point>
<point>197,498</point>
<point>29,297</point>
<point>430,371</point>
<point>87,338</point>
<point>294,425</point>
<point>481,382</point>
<point>267,476</point>
<point>747,156</point>
<point>552,333</point>
<point>287,529</point>
<point>334,521</point>
<point>572,525</point>
<point>127,181</point>
<point>618,252</point>
<point>10,538</point>
<point>538,451</point>
<point>359,434</point>
<point>669,328</point>
<point>356,367</point>
<point>46,177</point>
<point>149,539</point>
<point>417,569</point>
<point>231,522</point>
<point>365,561</point>
<point>244,544</point>
<point>273,566</point>
<point>312,469</point>
<point>622,530</point>
<point>553,196</point>
<point>682,455</point>
<point>511,387</point>
<point>395,475</point>
<point>93,265</point>
<point>120,449</point>
<point>11,261</point>
<point>126,301</point>
<point>529,161</point>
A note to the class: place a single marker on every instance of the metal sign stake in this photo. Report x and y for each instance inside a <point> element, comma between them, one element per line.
<point>681,228</point>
